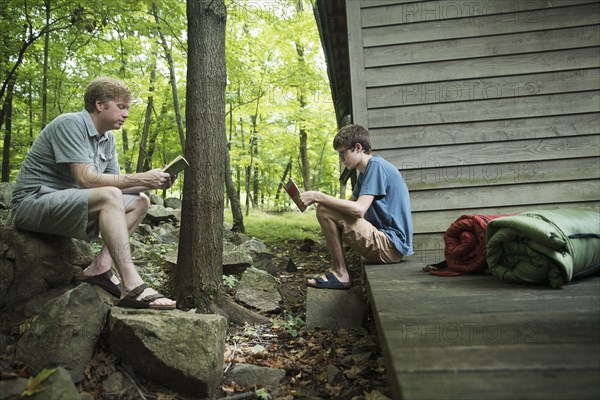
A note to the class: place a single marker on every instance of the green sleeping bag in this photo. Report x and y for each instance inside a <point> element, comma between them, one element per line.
<point>544,247</point>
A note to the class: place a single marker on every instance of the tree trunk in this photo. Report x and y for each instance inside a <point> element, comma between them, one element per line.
<point>283,180</point>
<point>172,79</point>
<point>303,148</point>
<point>45,73</point>
<point>234,199</point>
<point>143,155</point>
<point>125,140</point>
<point>254,150</point>
<point>232,194</point>
<point>152,139</point>
<point>199,273</point>
<point>8,132</point>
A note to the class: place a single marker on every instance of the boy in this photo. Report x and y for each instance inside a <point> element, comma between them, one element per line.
<point>375,222</point>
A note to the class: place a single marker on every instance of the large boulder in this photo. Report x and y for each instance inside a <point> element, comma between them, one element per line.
<point>181,350</point>
<point>31,263</point>
<point>65,333</point>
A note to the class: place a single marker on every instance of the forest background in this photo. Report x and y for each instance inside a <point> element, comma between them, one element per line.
<point>279,114</point>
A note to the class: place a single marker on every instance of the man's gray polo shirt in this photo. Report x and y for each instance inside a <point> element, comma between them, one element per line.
<point>70,138</point>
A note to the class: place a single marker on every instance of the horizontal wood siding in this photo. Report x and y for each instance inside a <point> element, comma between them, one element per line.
<point>485,106</point>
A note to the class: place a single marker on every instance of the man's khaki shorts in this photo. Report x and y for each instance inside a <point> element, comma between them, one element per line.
<point>59,212</point>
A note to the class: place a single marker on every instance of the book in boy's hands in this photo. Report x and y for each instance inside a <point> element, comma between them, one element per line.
<point>176,166</point>
<point>292,190</point>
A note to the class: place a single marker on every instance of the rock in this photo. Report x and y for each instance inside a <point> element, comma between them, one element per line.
<point>156,199</point>
<point>252,376</point>
<point>38,263</point>
<point>65,333</point>
<point>6,189</point>
<point>333,309</point>
<point>307,245</point>
<point>334,375</point>
<point>235,237</point>
<point>157,214</point>
<point>258,289</point>
<point>144,229</point>
<point>58,386</point>
<point>173,202</point>
<point>181,350</point>
<point>235,260</point>
<point>167,233</point>
<point>261,257</point>
<point>11,389</point>
<point>115,383</point>
<point>290,266</point>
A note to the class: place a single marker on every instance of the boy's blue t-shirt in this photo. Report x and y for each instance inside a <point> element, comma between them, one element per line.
<point>390,210</point>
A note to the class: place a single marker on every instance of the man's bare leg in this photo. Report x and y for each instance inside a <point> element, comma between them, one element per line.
<point>106,204</point>
<point>135,212</point>
<point>333,239</point>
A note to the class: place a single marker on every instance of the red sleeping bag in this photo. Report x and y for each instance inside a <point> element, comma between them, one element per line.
<point>465,245</point>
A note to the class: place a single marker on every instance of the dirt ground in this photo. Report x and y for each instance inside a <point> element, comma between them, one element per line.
<point>345,364</point>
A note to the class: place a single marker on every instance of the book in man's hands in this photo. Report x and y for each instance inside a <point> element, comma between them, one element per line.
<point>292,190</point>
<point>176,166</point>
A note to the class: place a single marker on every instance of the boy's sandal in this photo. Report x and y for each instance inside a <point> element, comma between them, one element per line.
<point>441,266</point>
<point>130,300</point>
<point>332,282</point>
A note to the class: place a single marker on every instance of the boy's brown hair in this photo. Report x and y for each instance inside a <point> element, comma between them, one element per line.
<point>349,135</point>
<point>105,89</point>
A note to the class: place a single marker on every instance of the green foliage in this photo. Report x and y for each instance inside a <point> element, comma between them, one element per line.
<point>26,324</point>
<point>263,394</point>
<point>291,324</point>
<point>34,384</point>
<point>277,82</point>
<point>230,281</point>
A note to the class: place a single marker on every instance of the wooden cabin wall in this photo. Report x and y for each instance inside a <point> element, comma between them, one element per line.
<point>485,106</point>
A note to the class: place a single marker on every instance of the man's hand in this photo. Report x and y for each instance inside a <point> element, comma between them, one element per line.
<point>156,179</point>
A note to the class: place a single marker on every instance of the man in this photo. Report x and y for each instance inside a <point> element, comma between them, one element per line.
<point>375,222</point>
<point>70,184</point>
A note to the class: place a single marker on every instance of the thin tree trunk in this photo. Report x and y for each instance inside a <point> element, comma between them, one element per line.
<point>152,138</point>
<point>288,168</point>
<point>303,148</point>
<point>143,155</point>
<point>232,195</point>
<point>236,208</point>
<point>7,132</point>
<point>172,79</point>
<point>45,73</point>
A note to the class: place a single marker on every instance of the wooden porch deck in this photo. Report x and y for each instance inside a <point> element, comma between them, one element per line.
<point>477,337</point>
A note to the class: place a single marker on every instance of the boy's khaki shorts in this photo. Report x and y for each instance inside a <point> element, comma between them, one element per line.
<point>366,240</point>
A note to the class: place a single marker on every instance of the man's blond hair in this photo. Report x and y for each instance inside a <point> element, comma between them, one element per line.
<point>105,89</point>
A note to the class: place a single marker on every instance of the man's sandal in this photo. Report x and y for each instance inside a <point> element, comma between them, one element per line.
<point>102,280</point>
<point>130,300</point>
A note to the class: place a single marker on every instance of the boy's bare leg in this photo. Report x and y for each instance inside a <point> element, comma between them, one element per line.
<point>106,204</point>
<point>333,239</point>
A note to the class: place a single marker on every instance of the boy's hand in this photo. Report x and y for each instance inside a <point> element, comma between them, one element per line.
<point>310,197</point>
